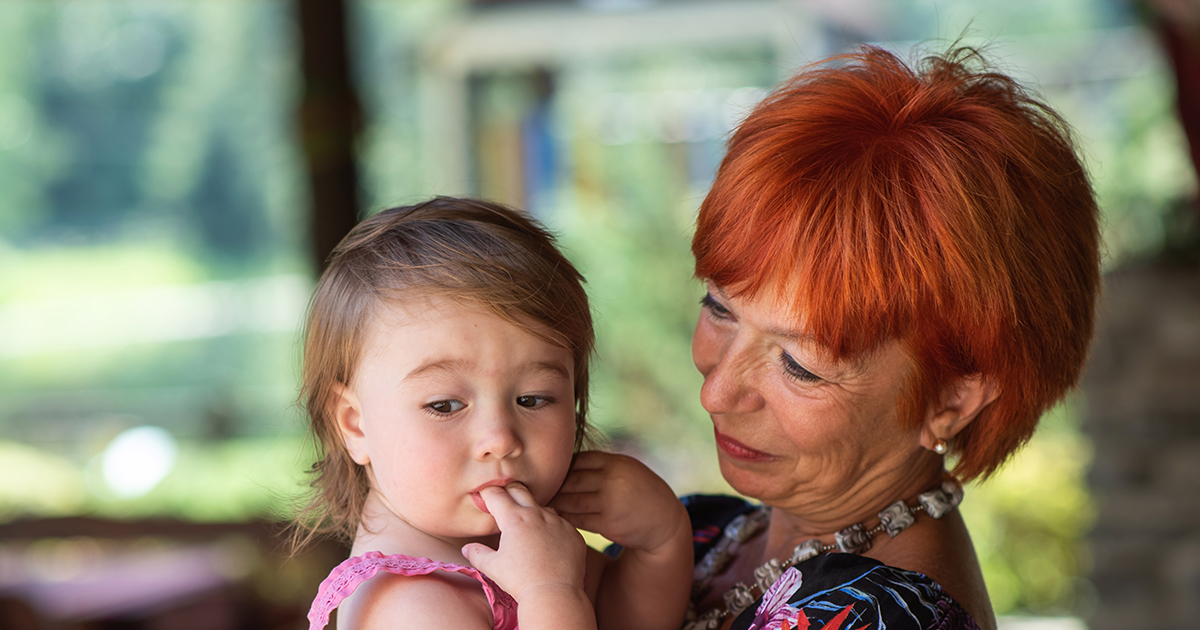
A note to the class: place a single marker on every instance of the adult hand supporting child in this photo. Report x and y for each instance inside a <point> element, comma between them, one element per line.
<point>621,499</point>
<point>540,560</point>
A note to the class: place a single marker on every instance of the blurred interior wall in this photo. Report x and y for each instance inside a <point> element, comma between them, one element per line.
<point>1142,415</point>
<point>1143,399</point>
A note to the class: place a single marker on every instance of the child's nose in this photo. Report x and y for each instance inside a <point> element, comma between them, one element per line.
<point>498,437</point>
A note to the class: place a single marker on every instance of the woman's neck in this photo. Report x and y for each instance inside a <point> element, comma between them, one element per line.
<point>385,531</point>
<point>795,522</point>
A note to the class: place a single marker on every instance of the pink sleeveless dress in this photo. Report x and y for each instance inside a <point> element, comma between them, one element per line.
<point>346,576</point>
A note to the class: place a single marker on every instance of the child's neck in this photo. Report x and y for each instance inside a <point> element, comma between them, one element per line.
<point>382,530</point>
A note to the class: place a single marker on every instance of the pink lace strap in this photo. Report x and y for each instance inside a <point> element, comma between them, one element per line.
<point>355,570</point>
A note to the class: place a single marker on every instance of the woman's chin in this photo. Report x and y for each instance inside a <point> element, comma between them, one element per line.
<point>745,479</point>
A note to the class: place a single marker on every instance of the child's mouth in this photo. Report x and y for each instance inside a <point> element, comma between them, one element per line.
<point>478,500</point>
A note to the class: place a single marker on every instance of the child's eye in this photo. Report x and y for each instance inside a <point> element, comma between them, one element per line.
<point>714,308</point>
<point>445,406</point>
<point>533,401</point>
<point>795,370</point>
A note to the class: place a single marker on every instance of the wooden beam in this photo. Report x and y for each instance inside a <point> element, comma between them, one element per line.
<point>330,120</point>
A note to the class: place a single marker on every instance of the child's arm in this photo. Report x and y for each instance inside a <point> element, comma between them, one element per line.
<point>647,586</point>
<point>540,562</point>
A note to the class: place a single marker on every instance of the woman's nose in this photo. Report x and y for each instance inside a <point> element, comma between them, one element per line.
<point>726,366</point>
<point>498,437</point>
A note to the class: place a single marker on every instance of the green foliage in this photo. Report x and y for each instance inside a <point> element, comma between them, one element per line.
<point>1028,521</point>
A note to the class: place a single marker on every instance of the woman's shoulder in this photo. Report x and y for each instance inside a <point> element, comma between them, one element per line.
<point>846,591</point>
<point>834,591</point>
<point>377,590</point>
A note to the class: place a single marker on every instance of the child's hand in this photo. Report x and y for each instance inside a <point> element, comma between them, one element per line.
<point>621,499</point>
<point>539,551</point>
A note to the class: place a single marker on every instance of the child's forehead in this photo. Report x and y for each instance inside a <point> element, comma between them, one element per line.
<point>421,310</point>
<point>415,320</point>
<point>402,338</point>
<point>428,314</point>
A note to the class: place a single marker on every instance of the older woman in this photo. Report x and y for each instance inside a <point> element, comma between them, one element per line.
<point>901,267</point>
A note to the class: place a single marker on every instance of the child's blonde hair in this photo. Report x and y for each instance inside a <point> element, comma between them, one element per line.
<point>474,252</point>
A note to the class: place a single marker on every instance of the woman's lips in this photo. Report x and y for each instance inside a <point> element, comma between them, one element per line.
<point>739,451</point>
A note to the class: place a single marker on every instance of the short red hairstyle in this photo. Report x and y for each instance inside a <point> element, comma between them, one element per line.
<point>941,206</point>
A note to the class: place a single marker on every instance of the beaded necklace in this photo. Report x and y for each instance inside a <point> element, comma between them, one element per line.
<point>856,538</point>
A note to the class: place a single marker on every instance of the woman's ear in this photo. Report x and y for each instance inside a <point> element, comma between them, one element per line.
<point>347,414</point>
<point>960,403</point>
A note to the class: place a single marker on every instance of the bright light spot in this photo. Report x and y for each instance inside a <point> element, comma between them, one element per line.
<point>16,121</point>
<point>137,459</point>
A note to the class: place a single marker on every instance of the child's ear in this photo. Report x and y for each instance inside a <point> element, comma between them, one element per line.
<point>347,414</point>
<point>960,403</point>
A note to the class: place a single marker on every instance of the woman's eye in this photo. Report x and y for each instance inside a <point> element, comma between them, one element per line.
<point>795,370</point>
<point>532,401</point>
<point>445,406</point>
<point>714,308</point>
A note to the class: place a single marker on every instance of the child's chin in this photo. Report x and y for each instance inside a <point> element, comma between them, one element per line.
<point>483,530</point>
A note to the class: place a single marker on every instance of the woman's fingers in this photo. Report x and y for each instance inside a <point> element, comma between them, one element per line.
<point>576,503</point>
<point>589,522</point>
<point>582,481</point>
<point>590,460</point>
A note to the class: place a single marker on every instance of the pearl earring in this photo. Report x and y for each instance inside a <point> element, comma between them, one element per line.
<point>940,447</point>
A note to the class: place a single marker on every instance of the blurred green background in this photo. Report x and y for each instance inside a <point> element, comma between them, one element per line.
<point>154,212</point>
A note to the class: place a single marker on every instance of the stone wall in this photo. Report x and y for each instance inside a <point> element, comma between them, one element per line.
<point>1142,389</point>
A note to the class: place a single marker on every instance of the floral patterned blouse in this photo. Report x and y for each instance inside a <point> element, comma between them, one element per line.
<point>834,591</point>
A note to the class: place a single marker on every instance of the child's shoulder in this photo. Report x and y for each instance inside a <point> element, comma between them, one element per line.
<point>397,591</point>
<point>435,600</point>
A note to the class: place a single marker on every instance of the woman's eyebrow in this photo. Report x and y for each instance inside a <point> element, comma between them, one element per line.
<point>786,333</point>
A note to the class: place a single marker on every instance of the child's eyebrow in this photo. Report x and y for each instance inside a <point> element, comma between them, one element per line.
<point>441,365</point>
<point>554,368</point>
<point>460,365</point>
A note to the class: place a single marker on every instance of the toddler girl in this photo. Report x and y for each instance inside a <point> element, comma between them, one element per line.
<point>445,377</point>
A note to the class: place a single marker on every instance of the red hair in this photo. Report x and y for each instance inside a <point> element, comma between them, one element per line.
<point>941,206</point>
